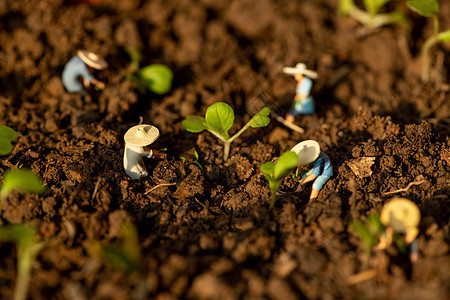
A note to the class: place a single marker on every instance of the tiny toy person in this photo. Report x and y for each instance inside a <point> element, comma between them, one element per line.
<point>136,140</point>
<point>78,66</point>
<point>309,152</point>
<point>303,103</point>
<point>401,216</point>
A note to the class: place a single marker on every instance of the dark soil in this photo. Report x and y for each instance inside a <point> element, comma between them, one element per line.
<point>212,236</point>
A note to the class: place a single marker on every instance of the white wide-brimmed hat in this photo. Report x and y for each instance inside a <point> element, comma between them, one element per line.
<point>307,151</point>
<point>92,60</point>
<point>401,214</point>
<point>141,135</point>
<point>300,68</point>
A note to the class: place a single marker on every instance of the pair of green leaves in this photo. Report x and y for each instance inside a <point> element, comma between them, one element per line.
<point>156,78</point>
<point>18,179</point>
<point>429,8</point>
<point>219,119</point>
<point>275,172</point>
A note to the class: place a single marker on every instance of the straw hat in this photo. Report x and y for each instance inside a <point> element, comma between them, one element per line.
<point>300,68</point>
<point>92,59</point>
<point>307,151</point>
<point>401,214</point>
<point>141,135</point>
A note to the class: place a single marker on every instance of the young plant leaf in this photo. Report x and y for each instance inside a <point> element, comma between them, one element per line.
<point>444,36</point>
<point>267,168</point>
<point>158,78</point>
<point>7,135</point>
<point>19,234</point>
<point>220,118</point>
<point>373,6</point>
<point>345,6</point>
<point>426,8</point>
<point>20,179</point>
<point>285,164</point>
<point>261,119</point>
<point>194,124</point>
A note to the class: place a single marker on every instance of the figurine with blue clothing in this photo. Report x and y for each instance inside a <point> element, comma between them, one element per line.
<point>78,68</point>
<point>308,152</point>
<point>303,103</point>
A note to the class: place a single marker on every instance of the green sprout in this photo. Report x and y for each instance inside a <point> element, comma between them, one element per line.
<point>28,248</point>
<point>219,118</point>
<point>369,234</point>
<point>156,78</point>
<point>194,162</point>
<point>275,172</point>
<point>22,180</point>
<point>428,8</point>
<point>126,256</point>
<point>7,135</point>
<point>371,17</point>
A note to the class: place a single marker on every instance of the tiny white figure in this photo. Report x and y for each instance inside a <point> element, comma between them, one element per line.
<point>136,140</point>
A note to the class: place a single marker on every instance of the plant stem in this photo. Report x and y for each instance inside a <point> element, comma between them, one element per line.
<point>273,191</point>
<point>226,150</point>
<point>424,53</point>
<point>26,254</point>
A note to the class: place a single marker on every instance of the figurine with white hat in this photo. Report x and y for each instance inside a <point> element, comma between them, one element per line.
<point>78,66</point>
<point>308,152</point>
<point>136,140</point>
<point>303,103</point>
<point>401,216</point>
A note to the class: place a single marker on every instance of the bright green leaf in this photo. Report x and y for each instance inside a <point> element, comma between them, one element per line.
<point>285,164</point>
<point>373,6</point>
<point>157,77</point>
<point>426,8</point>
<point>22,180</point>
<point>194,124</point>
<point>261,119</point>
<point>220,118</point>
<point>267,167</point>
<point>7,135</point>
<point>345,6</point>
<point>444,36</point>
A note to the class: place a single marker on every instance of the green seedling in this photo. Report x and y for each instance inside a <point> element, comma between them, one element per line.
<point>429,8</point>
<point>369,233</point>
<point>219,118</point>
<point>370,17</point>
<point>126,256</point>
<point>7,135</point>
<point>275,172</point>
<point>22,180</point>
<point>28,248</point>
<point>156,78</point>
<point>194,162</point>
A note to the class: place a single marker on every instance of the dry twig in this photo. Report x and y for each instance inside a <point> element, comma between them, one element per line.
<point>159,185</point>
<point>406,188</point>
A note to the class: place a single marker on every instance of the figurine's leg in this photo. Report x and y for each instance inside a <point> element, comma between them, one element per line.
<point>317,186</point>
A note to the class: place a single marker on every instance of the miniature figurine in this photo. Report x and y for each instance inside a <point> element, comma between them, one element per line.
<point>303,103</point>
<point>78,66</point>
<point>401,216</point>
<point>309,152</point>
<point>136,140</point>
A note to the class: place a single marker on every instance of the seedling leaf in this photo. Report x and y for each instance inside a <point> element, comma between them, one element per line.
<point>194,124</point>
<point>285,164</point>
<point>220,118</point>
<point>21,179</point>
<point>7,135</point>
<point>345,6</point>
<point>18,234</point>
<point>426,8</point>
<point>444,36</point>
<point>158,78</point>
<point>267,168</point>
<point>373,6</point>
<point>261,119</point>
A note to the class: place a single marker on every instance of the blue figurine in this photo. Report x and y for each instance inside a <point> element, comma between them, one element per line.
<point>78,66</point>
<point>308,152</point>
<point>303,103</point>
